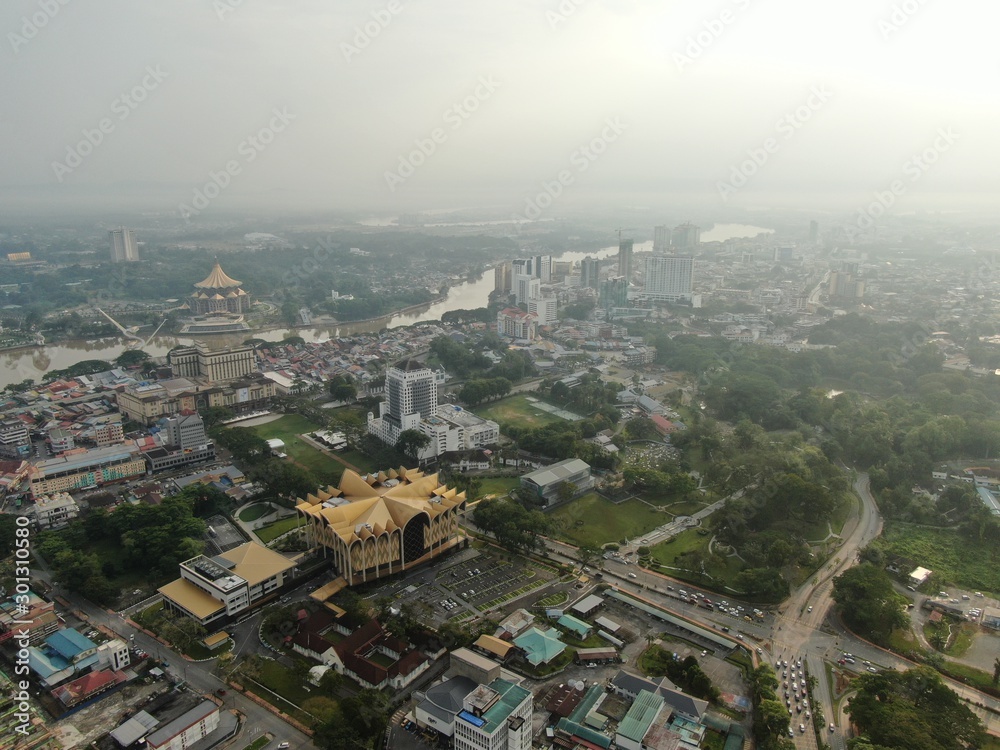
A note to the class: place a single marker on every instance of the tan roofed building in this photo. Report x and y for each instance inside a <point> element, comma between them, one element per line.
<point>379,524</point>
<point>218,293</point>
<point>212,588</point>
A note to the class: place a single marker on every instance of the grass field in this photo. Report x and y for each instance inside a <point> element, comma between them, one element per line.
<point>516,410</point>
<point>288,429</point>
<point>953,559</point>
<point>848,504</point>
<point>361,460</point>
<point>674,554</point>
<point>592,520</point>
<point>498,485</point>
<point>254,512</point>
<point>273,530</point>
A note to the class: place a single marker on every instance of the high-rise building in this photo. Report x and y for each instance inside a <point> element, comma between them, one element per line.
<point>542,268</point>
<point>502,277</point>
<point>185,431</point>
<point>410,396</point>
<point>669,278</point>
<point>614,292</point>
<point>526,287</point>
<point>494,716</point>
<point>589,271</point>
<point>687,236</point>
<point>625,259</point>
<point>516,323</point>
<point>545,309</point>
<point>123,245</point>
<point>661,239</point>
<point>199,361</point>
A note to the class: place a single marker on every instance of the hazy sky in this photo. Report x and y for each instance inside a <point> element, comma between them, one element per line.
<point>669,98</point>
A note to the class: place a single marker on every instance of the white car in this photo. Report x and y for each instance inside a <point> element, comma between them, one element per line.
<point>802,728</point>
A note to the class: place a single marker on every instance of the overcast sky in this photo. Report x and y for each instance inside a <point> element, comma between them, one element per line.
<point>669,98</point>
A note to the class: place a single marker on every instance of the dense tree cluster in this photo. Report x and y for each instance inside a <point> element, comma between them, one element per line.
<point>770,719</point>
<point>475,392</point>
<point>912,710</point>
<point>685,673</point>
<point>513,526</point>
<point>868,603</point>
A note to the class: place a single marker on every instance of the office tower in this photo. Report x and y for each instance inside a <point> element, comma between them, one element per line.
<point>661,239</point>
<point>614,293</point>
<point>521,267</point>
<point>589,271</point>
<point>625,259</point>
<point>686,236</point>
<point>545,309</point>
<point>542,268</point>
<point>123,245</point>
<point>502,275</point>
<point>494,717</point>
<point>185,431</point>
<point>669,278</point>
<point>410,389</point>
<point>526,287</point>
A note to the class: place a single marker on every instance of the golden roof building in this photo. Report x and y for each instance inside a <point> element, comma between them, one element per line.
<point>380,524</point>
<point>219,294</point>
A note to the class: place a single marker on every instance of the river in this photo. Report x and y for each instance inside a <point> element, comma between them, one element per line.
<point>16,365</point>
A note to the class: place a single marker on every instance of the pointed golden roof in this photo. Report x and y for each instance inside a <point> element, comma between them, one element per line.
<point>217,279</point>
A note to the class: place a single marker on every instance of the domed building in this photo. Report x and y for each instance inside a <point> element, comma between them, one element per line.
<point>219,294</point>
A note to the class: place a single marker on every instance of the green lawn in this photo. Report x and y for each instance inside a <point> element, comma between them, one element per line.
<point>516,410</point>
<point>282,681</point>
<point>361,460</point>
<point>255,511</point>
<point>273,530</point>
<point>498,485</point>
<point>288,429</point>
<point>952,558</point>
<point>595,521</point>
<point>675,554</point>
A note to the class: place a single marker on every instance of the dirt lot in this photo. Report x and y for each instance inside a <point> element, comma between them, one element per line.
<point>85,726</point>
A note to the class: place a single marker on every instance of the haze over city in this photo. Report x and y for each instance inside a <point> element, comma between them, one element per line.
<point>411,106</point>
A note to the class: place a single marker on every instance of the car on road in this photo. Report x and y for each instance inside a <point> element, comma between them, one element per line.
<point>220,692</point>
<point>810,608</point>
<point>802,728</point>
<point>832,728</point>
<point>284,746</point>
<point>632,575</point>
<point>873,670</point>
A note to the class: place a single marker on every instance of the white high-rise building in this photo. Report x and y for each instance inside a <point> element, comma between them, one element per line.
<point>123,245</point>
<point>669,278</point>
<point>526,287</point>
<point>545,309</point>
<point>411,395</point>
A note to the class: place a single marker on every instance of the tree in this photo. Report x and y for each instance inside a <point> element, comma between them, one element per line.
<point>131,358</point>
<point>996,670</point>
<point>343,388</point>
<point>914,710</point>
<point>867,602</point>
<point>511,524</point>
<point>566,491</point>
<point>411,442</point>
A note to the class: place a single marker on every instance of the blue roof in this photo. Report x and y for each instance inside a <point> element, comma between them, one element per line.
<point>45,664</point>
<point>577,626</point>
<point>541,646</point>
<point>69,643</point>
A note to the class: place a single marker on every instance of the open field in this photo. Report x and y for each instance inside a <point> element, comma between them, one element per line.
<point>255,511</point>
<point>516,410</point>
<point>592,520</point>
<point>498,485</point>
<point>288,429</point>
<point>676,553</point>
<point>273,530</point>
<point>952,558</point>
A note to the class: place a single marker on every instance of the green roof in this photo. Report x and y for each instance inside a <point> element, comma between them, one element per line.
<point>577,626</point>
<point>640,716</point>
<point>511,696</point>
<point>541,646</point>
<point>586,705</point>
<point>584,733</point>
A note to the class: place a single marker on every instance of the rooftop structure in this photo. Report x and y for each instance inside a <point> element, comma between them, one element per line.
<point>380,524</point>
<point>546,483</point>
<point>219,294</point>
<point>212,588</point>
<point>540,646</point>
<point>645,710</point>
